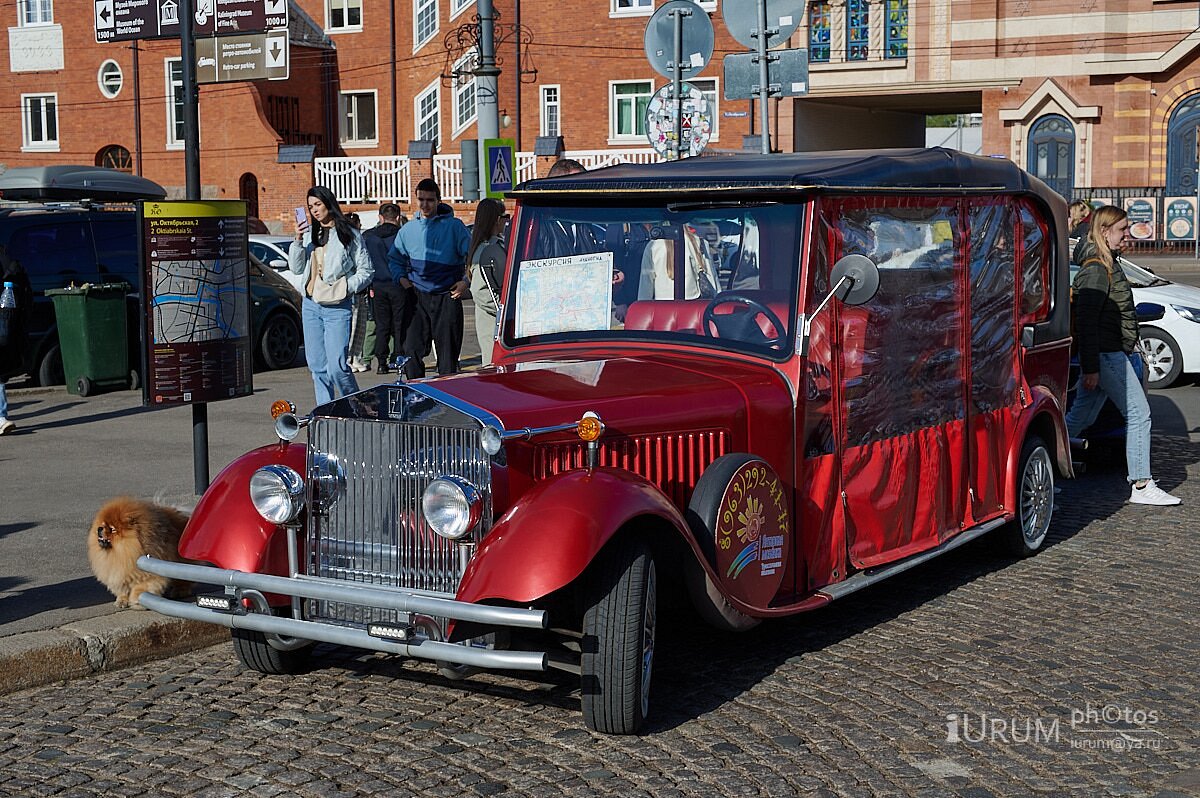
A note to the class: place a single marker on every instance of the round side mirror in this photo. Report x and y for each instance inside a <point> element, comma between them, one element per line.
<point>859,278</point>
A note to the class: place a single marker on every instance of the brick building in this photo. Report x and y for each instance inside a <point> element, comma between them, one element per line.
<point>1103,97</point>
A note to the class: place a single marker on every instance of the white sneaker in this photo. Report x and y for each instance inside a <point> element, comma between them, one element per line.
<point>1152,494</point>
<point>6,426</point>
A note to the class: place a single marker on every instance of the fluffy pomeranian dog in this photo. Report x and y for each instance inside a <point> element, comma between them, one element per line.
<point>125,529</point>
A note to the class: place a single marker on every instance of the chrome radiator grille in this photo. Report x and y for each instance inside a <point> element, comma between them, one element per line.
<point>374,532</point>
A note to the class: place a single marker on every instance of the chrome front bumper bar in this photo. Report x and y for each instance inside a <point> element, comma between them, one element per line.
<point>236,581</point>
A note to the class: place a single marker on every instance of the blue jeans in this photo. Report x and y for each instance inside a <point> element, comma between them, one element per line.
<point>326,345</point>
<point>3,401</point>
<point>1120,383</point>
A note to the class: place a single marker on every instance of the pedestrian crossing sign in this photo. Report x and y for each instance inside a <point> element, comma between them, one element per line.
<point>498,158</point>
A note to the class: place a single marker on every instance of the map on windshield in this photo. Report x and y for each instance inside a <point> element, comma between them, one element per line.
<point>568,294</point>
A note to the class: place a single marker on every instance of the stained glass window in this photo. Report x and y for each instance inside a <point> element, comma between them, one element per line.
<point>818,32</point>
<point>895,40</point>
<point>858,30</point>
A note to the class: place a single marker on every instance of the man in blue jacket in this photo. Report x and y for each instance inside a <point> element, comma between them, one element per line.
<point>430,255</point>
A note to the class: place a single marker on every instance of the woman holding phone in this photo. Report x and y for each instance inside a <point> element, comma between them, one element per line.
<point>335,266</point>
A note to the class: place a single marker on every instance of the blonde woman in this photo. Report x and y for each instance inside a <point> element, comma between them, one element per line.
<point>1107,333</point>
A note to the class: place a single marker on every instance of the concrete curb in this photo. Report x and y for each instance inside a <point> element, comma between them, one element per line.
<point>97,645</point>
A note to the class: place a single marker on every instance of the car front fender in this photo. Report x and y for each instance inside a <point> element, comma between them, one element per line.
<point>551,534</point>
<point>226,530</point>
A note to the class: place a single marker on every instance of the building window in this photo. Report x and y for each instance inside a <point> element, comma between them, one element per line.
<point>458,6</point>
<point>464,91</point>
<point>343,15</point>
<point>114,156</point>
<point>175,133</point>
<point>858,30</point>
<point>551,112</point>
<point>632,7</point>
<point>818,33</point>
<point>110,79</point>
<point>425,21</point>
<point>628,101</point>
<point>39,121</point>
<point>895,40</point>
<point>357,114</point>
<point>427,112</point>
<point>35,12</point>
<point>708,87</point>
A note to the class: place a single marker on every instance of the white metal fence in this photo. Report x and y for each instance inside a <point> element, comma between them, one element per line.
<point>388,178</point>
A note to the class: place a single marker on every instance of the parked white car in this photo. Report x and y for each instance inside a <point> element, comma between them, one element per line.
<point>1171,344</point>
<point>272,250</point>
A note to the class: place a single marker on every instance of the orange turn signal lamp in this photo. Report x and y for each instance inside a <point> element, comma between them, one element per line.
<point>590,427</point>
<point>281,406</point>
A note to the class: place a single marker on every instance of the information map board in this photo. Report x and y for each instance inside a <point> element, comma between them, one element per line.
<point>196,301</point>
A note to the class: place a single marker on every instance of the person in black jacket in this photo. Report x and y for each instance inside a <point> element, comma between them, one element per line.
<point>12,331</point>
<point>393,304</point>
<point>1107,332</point>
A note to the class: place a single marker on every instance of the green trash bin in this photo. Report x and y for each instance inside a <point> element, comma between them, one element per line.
<point>92,336</point>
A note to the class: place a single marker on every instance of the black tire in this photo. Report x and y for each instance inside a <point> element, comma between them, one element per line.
<point>1164,361</point>
<point>279,342</point>
<point>618,639</point>
<point>135,380</point>
<point>50,370</point>
<point>1025,535</point>
<point>256,652</point>
<point>84,386</point>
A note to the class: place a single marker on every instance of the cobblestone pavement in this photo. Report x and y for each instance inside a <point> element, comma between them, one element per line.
<point>1071,673</point>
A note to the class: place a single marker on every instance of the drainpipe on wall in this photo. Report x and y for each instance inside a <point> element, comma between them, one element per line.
<point>137,114</point>
<point>392,71</point>
<point>517,73</point>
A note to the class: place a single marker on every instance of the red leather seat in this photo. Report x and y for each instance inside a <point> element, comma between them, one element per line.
<point>683,315</point>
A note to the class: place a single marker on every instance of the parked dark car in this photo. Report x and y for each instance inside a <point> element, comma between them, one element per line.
<point>63,243</point>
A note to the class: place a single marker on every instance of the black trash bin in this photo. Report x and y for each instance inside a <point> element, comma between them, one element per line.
<point>93,336</point>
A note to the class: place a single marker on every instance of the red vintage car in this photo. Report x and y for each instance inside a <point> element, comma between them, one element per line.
<point>765,381</point>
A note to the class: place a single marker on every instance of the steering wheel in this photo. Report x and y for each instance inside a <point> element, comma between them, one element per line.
<point>753,309</point>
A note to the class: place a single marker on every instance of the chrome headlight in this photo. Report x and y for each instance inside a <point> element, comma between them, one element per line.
<point>1191,314</point>
<point>329,480</point>
<point>452,506</point>
<point>277,492</point>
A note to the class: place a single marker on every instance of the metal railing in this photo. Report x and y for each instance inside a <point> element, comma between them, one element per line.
<point>383,178</point>
<point>388,178</point>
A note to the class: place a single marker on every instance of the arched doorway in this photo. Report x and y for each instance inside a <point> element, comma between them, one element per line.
<point>1052,153</point>
<point>1181,148</point>
<point>248,193</point>
<point>114,156</point>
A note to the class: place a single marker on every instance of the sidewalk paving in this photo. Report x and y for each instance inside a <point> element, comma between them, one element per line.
<point>69,455</point>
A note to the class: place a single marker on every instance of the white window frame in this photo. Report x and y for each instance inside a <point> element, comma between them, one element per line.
<point>708,5</point>
<point>614,137</point>
<point>110,67</point>
<point>41,11</point>
<point>543,105</point>
<point>171,86</point>
<point>435,89</point>
<point>27,142</point>
<point>638,8</point>
<point>715,104</point>
<point>418,7</point>
<point>460,86</point>
<point>345,6</point>
<point>343,96</point>
<point>459,6</point>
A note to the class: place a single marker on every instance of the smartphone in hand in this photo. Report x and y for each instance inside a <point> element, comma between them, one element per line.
<point>301,217</point>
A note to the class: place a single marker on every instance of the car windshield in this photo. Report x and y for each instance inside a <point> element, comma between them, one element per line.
<point>1139,277</point>
<point>721,275</point>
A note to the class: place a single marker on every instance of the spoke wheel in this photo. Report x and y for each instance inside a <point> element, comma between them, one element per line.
<point>1163,359</point>
<point>619,630</point>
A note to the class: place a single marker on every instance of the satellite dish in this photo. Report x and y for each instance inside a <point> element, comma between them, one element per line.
<point>741,17</point>
<point>696,121</point>
<point>698,39</point>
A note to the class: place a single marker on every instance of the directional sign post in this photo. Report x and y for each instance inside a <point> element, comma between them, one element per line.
<point>498,162</point>
<point>255,56</point>
<point>123,20</point>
